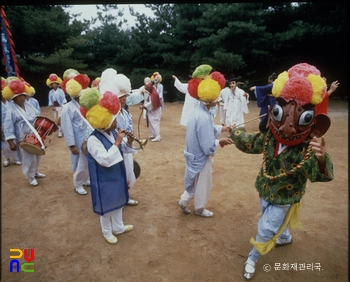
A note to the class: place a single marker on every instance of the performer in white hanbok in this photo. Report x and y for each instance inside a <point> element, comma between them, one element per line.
<point>154,112</point>
<point>57,98</point>
<point>5,147</point>
<point>76,130</point>
<point>120,85</point>
<point>189,104</point>
<point>156,79</point>
<point>201,144</point>
<point>18,121</point>
<point>236,104</point>
<point>109,188</point>
<point>222,106</point>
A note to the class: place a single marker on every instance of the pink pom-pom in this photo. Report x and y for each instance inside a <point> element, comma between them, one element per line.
<point>17,86</point>
<point>53,77</point>
<point>63,85</point>
<point>219,78</point>
<point>303,69</point>
<point>299,89</point>
<point>83,80</point>
<point>192,87</point>
<point>83,111</point>
<point>111,102</point>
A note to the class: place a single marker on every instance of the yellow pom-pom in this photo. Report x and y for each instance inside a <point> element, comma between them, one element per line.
<point>99,117</point>
<point>279,83</point>
<point>319,87</point>
<point>28,90</point>
<point>73,88</point>
<point>7,93</point>
<point>208,90</point>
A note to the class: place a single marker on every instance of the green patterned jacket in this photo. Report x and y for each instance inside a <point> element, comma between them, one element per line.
<point>284,179</point>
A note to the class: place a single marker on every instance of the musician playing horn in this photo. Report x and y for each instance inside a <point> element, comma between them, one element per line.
<point>16,128</point>
<point>109,188</point>
<point>294,151</point>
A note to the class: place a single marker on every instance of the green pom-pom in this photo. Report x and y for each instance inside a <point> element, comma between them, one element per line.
<point>89,98</point>
<point>201,71</point>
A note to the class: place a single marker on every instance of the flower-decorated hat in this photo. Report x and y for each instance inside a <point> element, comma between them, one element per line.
<point>95,83</point>
<point>53,78</point>
<point>15,87</point>
<point>74,83</point>
<point>206,86</point>
<point>28,88</point>
<point>302,83</point>
<point>156,77</point>
<point>99,110</point>
<point>116,83</point>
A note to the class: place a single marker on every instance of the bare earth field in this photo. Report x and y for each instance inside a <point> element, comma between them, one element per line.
<point>166,244</point>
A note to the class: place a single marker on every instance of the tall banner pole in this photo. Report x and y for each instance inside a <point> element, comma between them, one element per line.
<point>8,47</point>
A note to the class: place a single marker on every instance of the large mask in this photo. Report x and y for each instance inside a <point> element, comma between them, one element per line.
<point>292,118</point>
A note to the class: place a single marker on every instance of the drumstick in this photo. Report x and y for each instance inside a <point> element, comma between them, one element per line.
<point>250,120</point>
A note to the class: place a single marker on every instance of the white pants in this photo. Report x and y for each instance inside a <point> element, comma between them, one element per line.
<point>268,225</point>
<point>56,115</point>
<point>129,167</point>
<point>154,117</point>
<point>112,221</point>
<point>201,188</point>
<point>8,154</point>
<point>30,163</point>
<point>81,174</point>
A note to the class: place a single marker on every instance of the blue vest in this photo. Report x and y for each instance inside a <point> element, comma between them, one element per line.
<point>109,189</point>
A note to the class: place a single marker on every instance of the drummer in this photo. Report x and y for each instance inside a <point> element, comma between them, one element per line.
<point>16,126</point>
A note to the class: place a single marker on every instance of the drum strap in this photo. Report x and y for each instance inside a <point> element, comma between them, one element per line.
<point>20,111</point>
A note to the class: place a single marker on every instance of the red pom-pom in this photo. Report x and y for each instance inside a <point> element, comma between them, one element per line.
<point>299,89</point>
<point>53,77</point>
<point>83,80</point>
<point>303,69</point>
<point>192,87</point>
<point>17,86</point>
<point>63,84</point>
<point>83,111</point>
<point>219,78</point>
<point>111,102</point>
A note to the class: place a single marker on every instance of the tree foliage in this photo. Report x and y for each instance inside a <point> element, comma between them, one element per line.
<point>251,40</point>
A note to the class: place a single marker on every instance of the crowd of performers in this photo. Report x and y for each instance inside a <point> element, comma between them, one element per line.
<point>98,130</point>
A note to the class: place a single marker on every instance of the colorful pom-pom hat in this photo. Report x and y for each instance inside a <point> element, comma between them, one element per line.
<point>302,83</point>
<point>53,78</point>
<point>156,77</point>
<point>99,110</point>
<point>95,83</point>
<point>118,84</point>
<point>74,83</point>
<point>205,86</point>
<point>15,87</point>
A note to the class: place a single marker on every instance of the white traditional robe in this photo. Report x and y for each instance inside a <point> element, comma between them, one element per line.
<point>124,121</point>
<point>189,104</point>
<point>16,128</point>
<point>76,131</point>
<point>154,116</point>
<point>5,147</point>
<point>201,146</point>
<point>236,104</point>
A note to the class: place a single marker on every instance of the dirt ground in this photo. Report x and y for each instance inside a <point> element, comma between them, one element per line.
<point>166,244</point>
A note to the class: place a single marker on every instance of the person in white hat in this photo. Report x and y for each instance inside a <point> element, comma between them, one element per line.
<point>57,98</point>
<point>76,130</point>
<point>16,128</point>
<point>120,85</point>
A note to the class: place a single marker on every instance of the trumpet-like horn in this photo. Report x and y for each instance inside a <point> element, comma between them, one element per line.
<point>142,142</point>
